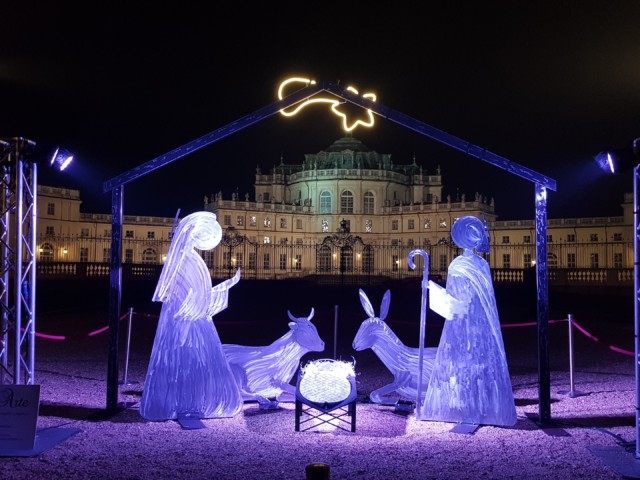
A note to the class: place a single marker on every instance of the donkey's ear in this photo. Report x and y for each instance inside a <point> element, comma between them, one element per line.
<point>384,308</point>
<point>366,304</point>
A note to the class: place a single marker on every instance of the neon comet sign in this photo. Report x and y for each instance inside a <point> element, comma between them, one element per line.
<point>335,103</point>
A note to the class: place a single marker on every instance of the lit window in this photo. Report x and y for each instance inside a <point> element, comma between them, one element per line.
<point>267,222</point>
<point>443,223</point>
<point>427,223</point>
<point>266,239</point>
<point>368,203</point>
<point>240,220</point>
<point>346,202</point>
<point>325,202</point>
<point>368,226</point>
<point>253,220</point>
<point>325,226</point>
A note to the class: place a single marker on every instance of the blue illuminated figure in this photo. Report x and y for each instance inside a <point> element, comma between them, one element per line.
<point>188,373</point>
<point>470,380</point>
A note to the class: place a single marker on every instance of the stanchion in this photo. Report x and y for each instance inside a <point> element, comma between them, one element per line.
<point>125,380</point>
<point>571,392</point>
<point>335,333</point>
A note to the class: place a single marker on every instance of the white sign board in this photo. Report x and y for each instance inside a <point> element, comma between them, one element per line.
<point>18,416</point>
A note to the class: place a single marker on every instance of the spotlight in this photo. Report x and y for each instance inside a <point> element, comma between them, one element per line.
<point>61,159</point>
<point>616,161</point>
<point>605,161</point>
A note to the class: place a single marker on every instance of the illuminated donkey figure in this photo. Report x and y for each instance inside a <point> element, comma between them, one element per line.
<point>264,372</point>
<point>402,361</point>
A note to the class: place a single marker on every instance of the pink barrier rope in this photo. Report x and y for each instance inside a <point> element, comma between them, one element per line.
<point>508,325</point>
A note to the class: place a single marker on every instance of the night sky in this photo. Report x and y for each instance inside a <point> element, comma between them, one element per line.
<point>546,85</point>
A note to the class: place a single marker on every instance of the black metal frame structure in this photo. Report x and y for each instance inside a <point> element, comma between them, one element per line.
<point>542,184</point>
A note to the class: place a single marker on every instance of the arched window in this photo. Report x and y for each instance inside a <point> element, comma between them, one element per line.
<point>368,203</point>
<point>325,202</point>
<point>46,252</point>
<point>346,259</point>
<point>150,256</point>
<point>323,261</point>
<point>346,202</point>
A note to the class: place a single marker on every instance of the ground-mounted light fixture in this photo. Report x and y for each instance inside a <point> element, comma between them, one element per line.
<point>61,159</point>
<point>327,387</point>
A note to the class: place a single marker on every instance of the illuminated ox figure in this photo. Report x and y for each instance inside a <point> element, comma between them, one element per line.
<point>402,361</point>
<point>263,373</point>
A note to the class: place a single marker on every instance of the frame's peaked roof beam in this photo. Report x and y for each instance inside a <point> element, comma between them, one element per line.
<point>443,137</point>
<point>212,137</point>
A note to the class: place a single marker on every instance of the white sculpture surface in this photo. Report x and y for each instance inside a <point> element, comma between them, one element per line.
<point>401,360</point>
<point>188,374</point>
<point>265,372</point>
<point>470,380</point>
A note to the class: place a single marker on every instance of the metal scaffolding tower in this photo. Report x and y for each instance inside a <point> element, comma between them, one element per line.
<point>18,190</point>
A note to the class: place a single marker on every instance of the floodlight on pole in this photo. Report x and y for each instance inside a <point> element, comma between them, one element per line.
<point>620,162</point>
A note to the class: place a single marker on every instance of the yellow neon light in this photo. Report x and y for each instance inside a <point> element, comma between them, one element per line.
<point>335,104</point>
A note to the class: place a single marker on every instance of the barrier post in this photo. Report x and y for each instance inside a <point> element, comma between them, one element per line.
<point>125,381</point>
<point>335,332</point>
<point>571,392</point>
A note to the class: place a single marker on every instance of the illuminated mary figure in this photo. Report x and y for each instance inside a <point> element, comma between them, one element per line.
<point>188,373</point>
<point>470,380</point>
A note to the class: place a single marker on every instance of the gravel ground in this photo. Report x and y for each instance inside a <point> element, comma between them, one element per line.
<point>591,434</point>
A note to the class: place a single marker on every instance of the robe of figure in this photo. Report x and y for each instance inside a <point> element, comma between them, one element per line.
<point>188,373</point>
<point>470,380</point>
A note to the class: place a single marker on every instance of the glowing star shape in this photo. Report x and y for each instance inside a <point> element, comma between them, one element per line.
<point>335,104</point>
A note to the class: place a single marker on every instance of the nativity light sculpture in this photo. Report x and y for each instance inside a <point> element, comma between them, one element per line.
<point>401,360</point>
<point>470,382</point>
<point>188,375</point>
<point>328,389</point>
<point>264,373</point>
<point>332,101</point>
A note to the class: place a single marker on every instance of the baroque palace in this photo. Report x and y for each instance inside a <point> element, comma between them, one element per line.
<point>346,212</point>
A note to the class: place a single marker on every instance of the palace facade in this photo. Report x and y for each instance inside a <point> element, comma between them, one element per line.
<point>346,211</point>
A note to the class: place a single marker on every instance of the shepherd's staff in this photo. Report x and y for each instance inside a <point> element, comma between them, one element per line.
<point>423,310</point>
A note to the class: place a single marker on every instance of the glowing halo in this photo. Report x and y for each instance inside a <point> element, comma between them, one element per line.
<point>335,104</point>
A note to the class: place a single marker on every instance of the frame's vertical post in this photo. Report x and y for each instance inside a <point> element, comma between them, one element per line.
<point>115,295</point>
<point>636,309</point>
<point>544,376</point>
